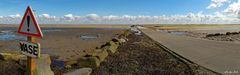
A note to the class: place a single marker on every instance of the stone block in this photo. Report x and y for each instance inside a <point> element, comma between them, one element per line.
<point>88,62</point>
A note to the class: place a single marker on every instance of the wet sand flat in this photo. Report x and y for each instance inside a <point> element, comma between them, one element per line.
<point>200,28</point>
<point>73,25</point>
<point>68,43</point>
<point>224,32</point>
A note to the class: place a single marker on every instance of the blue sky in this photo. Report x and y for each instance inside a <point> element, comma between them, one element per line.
<point>105,7</point>
<point>120,11</point>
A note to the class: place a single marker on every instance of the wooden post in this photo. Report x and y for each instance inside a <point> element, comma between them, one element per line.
<point>31,62</point>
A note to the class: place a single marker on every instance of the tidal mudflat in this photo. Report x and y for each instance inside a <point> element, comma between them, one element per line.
<point>226,33</point>
<point>64,42</point>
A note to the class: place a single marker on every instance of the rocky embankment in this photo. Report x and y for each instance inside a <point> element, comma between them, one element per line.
<point>93,58</point>
<point>141,55</point>
<point>229,36</point>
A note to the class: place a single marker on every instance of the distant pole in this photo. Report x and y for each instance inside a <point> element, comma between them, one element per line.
<point>31,62</point>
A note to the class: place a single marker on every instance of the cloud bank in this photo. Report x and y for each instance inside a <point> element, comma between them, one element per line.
<point>232,7</point>
<point>190,18</point>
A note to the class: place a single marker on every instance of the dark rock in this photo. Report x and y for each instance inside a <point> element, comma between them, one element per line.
<point>209,35</point>
<point>231,33</point>
<point>234,32</point>
<point>115,40</point>
<point>1,57</point>
<point>87,55</point>
<point>107,44</point>
<point>228,33</point>
<point>217,34</point>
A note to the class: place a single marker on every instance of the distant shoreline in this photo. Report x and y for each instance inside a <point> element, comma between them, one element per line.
<point>74,25</point>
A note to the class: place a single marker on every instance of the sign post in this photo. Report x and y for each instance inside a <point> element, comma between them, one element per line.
<point>31,62</point>
<point>30,28</point>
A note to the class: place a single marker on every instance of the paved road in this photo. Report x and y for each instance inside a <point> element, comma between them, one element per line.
<point>215,55</point>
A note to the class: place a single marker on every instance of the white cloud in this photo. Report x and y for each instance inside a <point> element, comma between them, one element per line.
<point>45,15</point>
<point>216,3</point>
<point>212,5</point>
<point>233,8</point>
<point>14,16</point>
<point>68,17</point>
<point>220,15</point>
<point>190,18</point>
<point>46,18</point>
<point>231,11</point>
<point>92,17</point>
<point>10,18</point>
